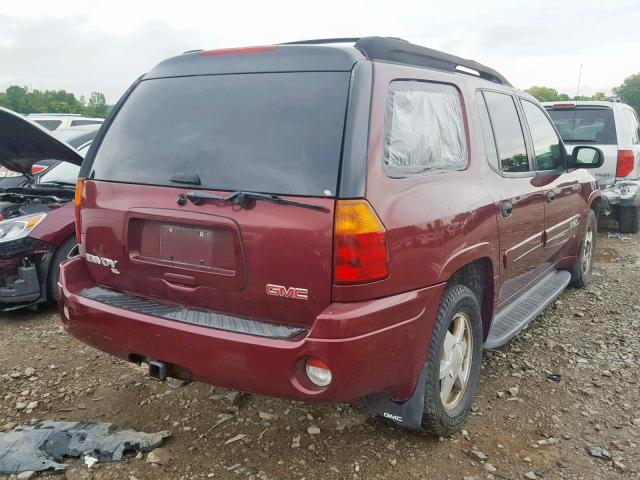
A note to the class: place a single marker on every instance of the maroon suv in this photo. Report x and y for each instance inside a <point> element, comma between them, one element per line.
<point>322,223</point>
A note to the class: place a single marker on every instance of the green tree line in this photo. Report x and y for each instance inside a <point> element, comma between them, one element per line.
<point>24,100</point>
<point>628,92</point>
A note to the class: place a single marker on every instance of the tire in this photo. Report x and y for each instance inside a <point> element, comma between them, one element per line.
<point>438,418</point>
<point>64,251</point>
<point>628,220</point>
<point>581,271</point>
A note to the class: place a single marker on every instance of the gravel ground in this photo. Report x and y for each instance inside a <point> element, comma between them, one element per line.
<point>523,425</point>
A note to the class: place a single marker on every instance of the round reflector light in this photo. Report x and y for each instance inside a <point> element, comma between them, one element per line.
<point>318,372</point>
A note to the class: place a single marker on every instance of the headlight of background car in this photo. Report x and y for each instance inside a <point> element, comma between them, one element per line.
<point>19,227</point>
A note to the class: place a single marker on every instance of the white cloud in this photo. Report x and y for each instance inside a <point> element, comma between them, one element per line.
<point>85,45</point>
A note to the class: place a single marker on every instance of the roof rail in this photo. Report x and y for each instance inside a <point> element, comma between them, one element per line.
<point>400,51</point>
<point>397,50</point>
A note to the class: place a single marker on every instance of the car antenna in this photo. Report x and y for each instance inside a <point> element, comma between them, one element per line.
<point>573,121</point>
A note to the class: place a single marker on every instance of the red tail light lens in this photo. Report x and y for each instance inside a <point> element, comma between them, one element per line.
<point>625,163</point>
<point>35,169</point>
<point>360,244</point>
<point>77,201</point>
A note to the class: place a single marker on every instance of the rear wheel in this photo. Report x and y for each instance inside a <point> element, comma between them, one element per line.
<point>453,367</point>
<point>68,249</point>
<point>629,219</point>
<point>583,267</point>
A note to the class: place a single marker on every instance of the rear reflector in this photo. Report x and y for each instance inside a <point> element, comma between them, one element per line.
<point>625,163</point>
<point>318,372</point>
<point>233,51</point>
<point>360,243</point>
<point>77,201</point>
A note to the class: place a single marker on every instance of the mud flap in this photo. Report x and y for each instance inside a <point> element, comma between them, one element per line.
<point>407,414</point>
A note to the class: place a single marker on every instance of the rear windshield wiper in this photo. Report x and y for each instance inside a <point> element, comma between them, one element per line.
<point>244,198</point>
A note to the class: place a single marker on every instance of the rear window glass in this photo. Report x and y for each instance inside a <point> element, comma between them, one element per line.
<point>424,129</point>
<point>272,133</point>
<point>582,125</point>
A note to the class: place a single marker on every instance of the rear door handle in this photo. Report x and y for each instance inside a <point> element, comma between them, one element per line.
<point>551,196</point>
<point>506,208</point>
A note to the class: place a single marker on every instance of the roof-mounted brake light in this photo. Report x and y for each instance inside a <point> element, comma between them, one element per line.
<point>233,51</point>
<point>564,105</point>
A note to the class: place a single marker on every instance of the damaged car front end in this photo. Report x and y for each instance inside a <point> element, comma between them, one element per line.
<point>37,229</point>
<point>27,245</point>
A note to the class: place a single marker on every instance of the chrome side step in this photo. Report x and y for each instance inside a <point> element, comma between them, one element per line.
<point>515,317</point>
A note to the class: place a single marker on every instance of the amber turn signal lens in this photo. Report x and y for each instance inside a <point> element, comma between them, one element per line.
<point>360,244</point>
<point>77,201</point>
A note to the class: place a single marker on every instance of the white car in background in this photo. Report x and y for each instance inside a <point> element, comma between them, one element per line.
<point>614,128</point>
<point>54,121</point>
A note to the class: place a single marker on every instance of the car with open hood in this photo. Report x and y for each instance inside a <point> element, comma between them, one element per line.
<point>327,220</point>
<point>79,138</point>
<point>36,215</point>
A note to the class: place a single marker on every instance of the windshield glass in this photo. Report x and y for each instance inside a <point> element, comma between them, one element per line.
<point>273,133</point>
<point>63,172</point>
<point>585,125</point>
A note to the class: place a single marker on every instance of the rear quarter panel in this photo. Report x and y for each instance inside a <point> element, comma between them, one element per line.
<point>436,223</point>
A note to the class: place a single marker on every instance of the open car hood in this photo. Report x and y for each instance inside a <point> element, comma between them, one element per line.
<point>23,143</point>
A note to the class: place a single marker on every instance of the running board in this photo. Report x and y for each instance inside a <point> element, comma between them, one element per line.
<point>515,317</point>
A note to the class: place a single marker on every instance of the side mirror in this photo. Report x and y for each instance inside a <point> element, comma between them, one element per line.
<point>586,157</point>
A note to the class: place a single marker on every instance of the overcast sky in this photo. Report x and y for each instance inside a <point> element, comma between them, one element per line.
<point>86,45</point>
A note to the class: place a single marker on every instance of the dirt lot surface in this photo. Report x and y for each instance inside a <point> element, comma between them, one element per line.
<point>526,424</point>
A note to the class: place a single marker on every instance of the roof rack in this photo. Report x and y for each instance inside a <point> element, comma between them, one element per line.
<point>397,50</point>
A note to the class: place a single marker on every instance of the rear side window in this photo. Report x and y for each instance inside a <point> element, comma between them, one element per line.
<point>424,129</point>
<point>507,130</point>
<point>49,124</point>
<point>635,127</point>
<point>546,144</point>
<point>275,133</point>
<point>76,123</point>
<point>585,125</point>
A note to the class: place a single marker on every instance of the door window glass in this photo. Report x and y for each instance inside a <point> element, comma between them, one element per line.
<point>546,144</point>
<point>512,151</point>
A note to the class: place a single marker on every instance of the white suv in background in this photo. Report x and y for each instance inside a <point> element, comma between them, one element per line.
<point>614,128</point>
<point>54,121</point>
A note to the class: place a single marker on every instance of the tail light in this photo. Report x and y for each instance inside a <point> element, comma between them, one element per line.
<point>360,243</point>
<point>77,201</point>
<point>625,163</point>
<point>36,169</point>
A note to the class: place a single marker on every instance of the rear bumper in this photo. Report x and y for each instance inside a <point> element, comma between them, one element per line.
<point>370,347</point>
